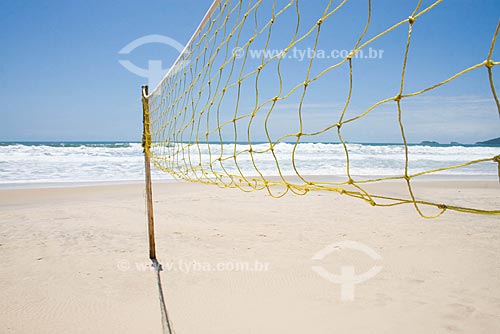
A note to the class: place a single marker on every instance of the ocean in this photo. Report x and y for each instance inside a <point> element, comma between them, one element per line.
<point>63,163</point>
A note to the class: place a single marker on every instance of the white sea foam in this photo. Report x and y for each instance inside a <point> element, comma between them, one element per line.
<point>118,162</point>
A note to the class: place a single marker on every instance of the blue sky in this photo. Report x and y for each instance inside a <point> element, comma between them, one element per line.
<point>61,79</point>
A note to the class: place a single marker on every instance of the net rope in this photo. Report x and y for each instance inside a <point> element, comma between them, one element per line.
<point>200,120</point>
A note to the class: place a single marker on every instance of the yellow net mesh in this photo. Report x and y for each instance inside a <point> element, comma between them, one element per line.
<point>202,118</point>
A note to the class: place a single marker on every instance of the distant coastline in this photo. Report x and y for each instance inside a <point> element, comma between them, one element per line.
<point>492,142</point>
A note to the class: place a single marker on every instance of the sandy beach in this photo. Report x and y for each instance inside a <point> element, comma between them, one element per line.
<point>75,260</point>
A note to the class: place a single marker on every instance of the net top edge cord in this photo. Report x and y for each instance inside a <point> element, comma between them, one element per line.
<point>208,15</point>
<point>214,6</point>
<point>309,186</point>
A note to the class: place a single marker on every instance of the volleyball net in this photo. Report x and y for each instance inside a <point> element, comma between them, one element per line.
<point>254,89</point>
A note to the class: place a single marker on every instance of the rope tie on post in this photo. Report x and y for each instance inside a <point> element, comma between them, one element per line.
<point>146,133</point>
<point>497,160</point>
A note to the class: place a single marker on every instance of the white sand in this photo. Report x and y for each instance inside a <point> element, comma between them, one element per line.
<point>75,261</point>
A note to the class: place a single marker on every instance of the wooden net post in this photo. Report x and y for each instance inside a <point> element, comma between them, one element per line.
<point>146,144</point>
